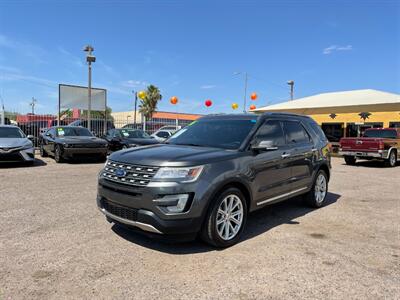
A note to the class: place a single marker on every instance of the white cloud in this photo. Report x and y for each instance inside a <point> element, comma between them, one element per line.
<point>134,83</point>
<point>27,49</point>
<point>208,86</point>
<point>334,48</point>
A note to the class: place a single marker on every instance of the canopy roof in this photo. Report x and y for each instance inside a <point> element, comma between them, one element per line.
<point>347,101</point>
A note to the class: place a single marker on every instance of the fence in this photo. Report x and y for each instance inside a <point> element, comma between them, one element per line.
<point>35,125</point>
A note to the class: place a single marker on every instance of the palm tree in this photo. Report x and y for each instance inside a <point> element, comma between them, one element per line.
<point>148,105</point>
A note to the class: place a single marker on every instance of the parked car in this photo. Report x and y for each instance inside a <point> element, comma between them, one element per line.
<point>127,138</point>
<point>162,135</point>
<point>170,128</point>
<point>377,143</point>
<point>96,126</point>
<point>207,177</point>
<point>15,146</point>
<point>71,141</point>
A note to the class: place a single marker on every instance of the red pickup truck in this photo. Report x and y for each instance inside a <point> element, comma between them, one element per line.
<point>377,143</point>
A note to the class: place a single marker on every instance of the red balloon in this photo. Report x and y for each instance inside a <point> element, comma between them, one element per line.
<point>253,96</point>
<point>208,103</point>
<point>252,107</point>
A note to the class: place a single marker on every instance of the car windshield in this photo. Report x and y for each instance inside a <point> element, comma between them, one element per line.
<point>72,131</point>
<point>11,132</point>
<point>388,134</point>
<point>133,134</point>
<point>225,134</point>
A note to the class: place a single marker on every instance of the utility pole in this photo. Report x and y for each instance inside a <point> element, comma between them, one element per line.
<point>245,88</point>
<point>89,59</point>
<point>32,104</point>
<point>134,116</point>
<point>291,84</point>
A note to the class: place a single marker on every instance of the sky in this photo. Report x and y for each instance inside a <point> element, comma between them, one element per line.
<point>191,49</point>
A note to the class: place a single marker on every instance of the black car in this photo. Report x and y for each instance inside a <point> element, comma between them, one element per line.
<point>127,138</point>
<point>210,175</point>
<point>66,142</point>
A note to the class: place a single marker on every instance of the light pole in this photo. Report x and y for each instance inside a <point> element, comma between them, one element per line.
<point>134,116</point>
<point>89,59</point>
<point>245,88</point>
<point>291,84</point>
<point>33,103</point>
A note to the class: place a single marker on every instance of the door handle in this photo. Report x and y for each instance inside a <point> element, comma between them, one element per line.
<point>285,155</point>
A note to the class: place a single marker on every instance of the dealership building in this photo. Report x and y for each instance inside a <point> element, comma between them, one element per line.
<point>345,114</point>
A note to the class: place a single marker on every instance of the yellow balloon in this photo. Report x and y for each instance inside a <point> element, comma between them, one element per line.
<point>142,94</point>
<point>235,106</point>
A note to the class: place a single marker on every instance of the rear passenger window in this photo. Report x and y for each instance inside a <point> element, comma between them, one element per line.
<point>318,130</point>
<point>270,131</point>
<point>295,133</point>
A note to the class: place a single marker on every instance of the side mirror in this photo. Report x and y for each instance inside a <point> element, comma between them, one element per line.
<point>265,145</point>
<point>30,137</point>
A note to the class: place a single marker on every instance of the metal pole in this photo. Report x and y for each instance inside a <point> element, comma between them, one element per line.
<point>291,83</point>
<point>105,114</point>
<point>245,92</point>
<point>59,104</point>
<point>89,96</point>
<point>134,116</point>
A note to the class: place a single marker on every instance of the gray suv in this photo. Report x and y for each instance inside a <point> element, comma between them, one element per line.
<point>210,175</point>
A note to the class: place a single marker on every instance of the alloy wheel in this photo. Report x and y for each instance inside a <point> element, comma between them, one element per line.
<point>320,188</point>
<point>229,217</point>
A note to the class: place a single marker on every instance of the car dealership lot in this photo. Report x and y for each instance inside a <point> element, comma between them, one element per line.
<point>56,244</point>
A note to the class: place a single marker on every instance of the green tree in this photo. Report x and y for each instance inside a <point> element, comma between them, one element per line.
<point>148,105</point>
<point>93,113</point>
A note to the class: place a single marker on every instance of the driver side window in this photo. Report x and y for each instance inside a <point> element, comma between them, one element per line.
<point>270,131</point>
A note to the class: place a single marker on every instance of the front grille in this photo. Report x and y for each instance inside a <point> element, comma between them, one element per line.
<point>134,175</point>
<point>9,149</point>
<point>86,146</point>
<point>120,211</point>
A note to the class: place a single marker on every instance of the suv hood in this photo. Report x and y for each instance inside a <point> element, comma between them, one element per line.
<point>172,155</point>
<point>141,141</point>
<point>13,142</point>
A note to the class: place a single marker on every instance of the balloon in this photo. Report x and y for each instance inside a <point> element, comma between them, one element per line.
<point>252,107</point>
<point>174,100</point>
<point>142,94</point>
<point>208,103</point>
<point>235,106</point>
<point>253,96</point>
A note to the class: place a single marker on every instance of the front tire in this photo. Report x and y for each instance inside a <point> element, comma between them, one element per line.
<point>58,154</point>
<point>317,195</point>
<point>392,160</point>
<point>225,219</point>
<point>43,152</point>
<point>350,160</point>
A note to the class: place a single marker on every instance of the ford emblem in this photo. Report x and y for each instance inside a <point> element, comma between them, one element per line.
<point>120,172</point>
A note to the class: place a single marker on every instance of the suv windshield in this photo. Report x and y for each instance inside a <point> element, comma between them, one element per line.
<point>133,134</point>
<point>72,131</point>
<point>388,134</point>
<point>11,132</point>
<point>225,134</point>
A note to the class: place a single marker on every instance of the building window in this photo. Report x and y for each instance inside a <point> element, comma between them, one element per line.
<point>394,124</point>
<point>333,131</point>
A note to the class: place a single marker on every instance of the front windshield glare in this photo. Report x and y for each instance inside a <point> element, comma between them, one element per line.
<point>225,134</point>
<point>11,132</point>
<point>73,131</point>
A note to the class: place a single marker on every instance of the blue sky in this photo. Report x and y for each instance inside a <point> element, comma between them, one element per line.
<point>192,48</point>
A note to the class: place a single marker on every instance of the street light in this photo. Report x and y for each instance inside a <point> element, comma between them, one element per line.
<point>245,88</point>
<point>89,59</point>
<point>291,84</point>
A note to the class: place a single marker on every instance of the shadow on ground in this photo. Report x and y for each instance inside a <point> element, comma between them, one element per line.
<point>258,223</point>
<point>13,165</point>
<point>372,164</point>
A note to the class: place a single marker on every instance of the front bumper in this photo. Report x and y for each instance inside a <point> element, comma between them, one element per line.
<point>380,154</point>
<point>70,152</point>
<point>18,155</point>
<point>135,206</point>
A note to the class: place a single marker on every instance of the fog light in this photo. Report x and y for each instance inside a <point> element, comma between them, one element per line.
<point>173,203</point>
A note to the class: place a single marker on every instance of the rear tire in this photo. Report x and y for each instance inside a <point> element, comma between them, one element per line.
<point>58,155</point>
<point>317,195</point>
<point>226,219</point>
<point>392,160</point>
<point>350,160</point>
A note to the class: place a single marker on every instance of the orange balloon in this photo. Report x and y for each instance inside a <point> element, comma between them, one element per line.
<point>174,100</point>
<point>252,107</point>
<point>253,96</point>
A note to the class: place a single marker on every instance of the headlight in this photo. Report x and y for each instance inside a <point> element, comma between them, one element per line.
<point>27,146</point>
<point>188,174</point>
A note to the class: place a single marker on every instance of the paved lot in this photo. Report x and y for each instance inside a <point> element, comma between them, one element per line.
<point>54,243</point>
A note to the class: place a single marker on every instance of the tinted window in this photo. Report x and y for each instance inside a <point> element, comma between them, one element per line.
<point>163,134</point>
<point>225,134</point>
<point>11,132</point>
<point>134,134</point>
<point>317,130</point>
<point>270,131</point>
<point>72,131</point>
<point>388,134</point>
<point>295,133</point>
